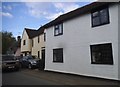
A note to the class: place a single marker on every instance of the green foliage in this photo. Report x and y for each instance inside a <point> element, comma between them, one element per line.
<point>7,41</point>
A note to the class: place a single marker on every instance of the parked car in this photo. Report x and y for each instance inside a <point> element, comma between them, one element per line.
<point>30,62</point>
<point>9,63</point>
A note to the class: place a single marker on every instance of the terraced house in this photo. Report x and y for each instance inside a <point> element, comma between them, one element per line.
<point>85,41</point>
<point>33,42</point>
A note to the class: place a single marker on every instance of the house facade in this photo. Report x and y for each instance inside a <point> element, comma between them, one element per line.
<point>38,44</point>
<point>85,41</point>
<point>32,42</point>
<point>26,42</point>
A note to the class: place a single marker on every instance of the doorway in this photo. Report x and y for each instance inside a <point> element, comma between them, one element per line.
<point>43,58</point>
<point>41,64</point>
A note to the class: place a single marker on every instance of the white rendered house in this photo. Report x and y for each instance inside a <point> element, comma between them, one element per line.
<point>85,41</point>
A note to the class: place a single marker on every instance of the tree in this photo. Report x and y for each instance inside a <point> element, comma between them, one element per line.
<point>8,41</point>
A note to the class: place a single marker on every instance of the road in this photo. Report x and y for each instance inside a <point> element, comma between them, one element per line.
<point>38,77</point>
<point>23,77</point>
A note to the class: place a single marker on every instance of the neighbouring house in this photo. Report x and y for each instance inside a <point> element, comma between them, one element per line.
<point>26,42</point>
<point>32,42</point>
<point>85,41</point>
<point>38,43</point>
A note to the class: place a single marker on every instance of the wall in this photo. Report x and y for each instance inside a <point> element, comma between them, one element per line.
<point>76,40</point>
<point>119,42</point>
<point>38,46</point>
<point>26,47</point>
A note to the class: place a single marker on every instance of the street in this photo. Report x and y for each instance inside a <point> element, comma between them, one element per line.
<point>38,77</point>
<point>23,78</point>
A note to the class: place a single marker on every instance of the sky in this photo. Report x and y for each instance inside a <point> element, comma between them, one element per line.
<point>19,15</point>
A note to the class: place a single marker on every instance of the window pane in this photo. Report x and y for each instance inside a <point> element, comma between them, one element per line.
<point>56,31</point>
<point>102,54</point>
<point>58,55</point>
<point>38,39</point>
<point>54,57</point>
<point>60,29</point>
<point>95,14</point>
<point>96,21</point>
<point>56,26</point>
<point>24,42</point>
<point>44,36</point>
<point>104,16</point>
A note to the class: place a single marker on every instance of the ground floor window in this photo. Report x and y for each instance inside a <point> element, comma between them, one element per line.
<point>101,53</point>
<point>38,54</point>
<point>58,55</point>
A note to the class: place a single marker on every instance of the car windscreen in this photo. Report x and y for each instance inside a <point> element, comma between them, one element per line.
<point>5,58</point>
<point>34,57</point>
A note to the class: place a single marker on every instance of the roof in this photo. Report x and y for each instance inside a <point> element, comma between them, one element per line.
<point>41,30</point>
<point>33,33</point>
<point>76,13</point>
<point>70,15</point>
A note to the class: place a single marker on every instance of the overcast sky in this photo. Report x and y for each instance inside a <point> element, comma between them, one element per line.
<point>19,15</point>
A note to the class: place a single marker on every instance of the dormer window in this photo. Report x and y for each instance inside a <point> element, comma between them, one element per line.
<point>100,17</point>
<point>58,29</point>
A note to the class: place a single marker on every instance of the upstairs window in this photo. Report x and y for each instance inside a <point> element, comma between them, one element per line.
<point>44,37</point>
<point>58,29</point>
<point>101,54</point>
<point>100,17</point>
<point>24,42</point>
<point>38,39</point>
<point>32,43</point>
<point>58,55</point>
<point>38,54</point>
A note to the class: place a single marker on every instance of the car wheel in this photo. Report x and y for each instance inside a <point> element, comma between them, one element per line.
<point>30,66</point>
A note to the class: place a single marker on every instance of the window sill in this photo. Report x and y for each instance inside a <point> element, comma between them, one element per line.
<point>59,34</point>
<point>57,61</point>
<point>103,63</point>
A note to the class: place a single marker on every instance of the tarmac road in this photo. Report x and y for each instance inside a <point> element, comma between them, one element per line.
<point>38,77</point>
<point>22,78</point>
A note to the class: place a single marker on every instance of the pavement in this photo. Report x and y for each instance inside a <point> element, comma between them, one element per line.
<point>70,79</point>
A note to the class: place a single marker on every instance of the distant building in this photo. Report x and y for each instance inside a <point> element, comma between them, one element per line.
<point>32,42</point>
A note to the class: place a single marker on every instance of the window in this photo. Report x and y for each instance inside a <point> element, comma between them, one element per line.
<point>38,39</point>
<point>100,17</point>
<point>58,55</point>
<point>38,54</point>
<point>32,43</point>
<point>58,29</point>
<point>101,54</point>
<point>44,36</point>
<point>24,42</point>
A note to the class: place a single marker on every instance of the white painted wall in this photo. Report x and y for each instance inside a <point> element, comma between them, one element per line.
<point>119,43</point>
<point>38,46</point>
<point>77,37</point>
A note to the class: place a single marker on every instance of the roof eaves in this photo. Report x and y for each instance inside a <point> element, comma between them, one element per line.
<point>75,13</point>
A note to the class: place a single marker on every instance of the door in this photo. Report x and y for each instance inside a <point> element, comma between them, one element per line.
<point>43,58</point>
